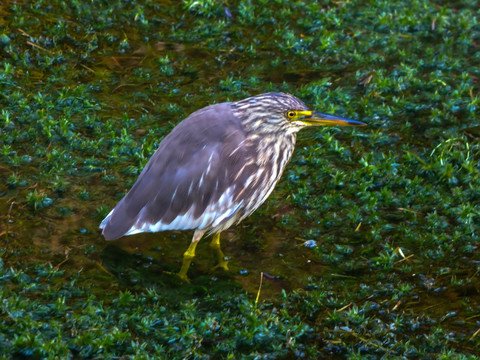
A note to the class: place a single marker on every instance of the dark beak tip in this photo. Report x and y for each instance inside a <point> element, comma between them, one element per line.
<point>355,123</point>
<point>347,122</point>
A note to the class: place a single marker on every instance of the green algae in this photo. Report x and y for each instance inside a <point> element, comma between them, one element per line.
<point>89,89</point>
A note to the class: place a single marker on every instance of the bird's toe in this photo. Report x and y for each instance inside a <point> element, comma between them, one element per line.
<point>223,264</point>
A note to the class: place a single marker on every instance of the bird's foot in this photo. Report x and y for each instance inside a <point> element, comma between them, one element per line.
<point>184,277</point>
<point>222,264</point>
<point>222,260</point>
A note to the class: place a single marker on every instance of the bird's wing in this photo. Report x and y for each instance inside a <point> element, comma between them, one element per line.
<point>187,182</point>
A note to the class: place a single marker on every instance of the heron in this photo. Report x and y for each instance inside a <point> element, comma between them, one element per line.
<point>215,168</point>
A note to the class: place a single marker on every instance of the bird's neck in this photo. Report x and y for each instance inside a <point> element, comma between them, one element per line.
<point>274,153</point>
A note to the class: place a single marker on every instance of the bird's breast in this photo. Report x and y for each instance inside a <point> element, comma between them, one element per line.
<point>263,171</point>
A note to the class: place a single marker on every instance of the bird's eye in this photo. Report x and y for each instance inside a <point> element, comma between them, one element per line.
<point>291,114</point>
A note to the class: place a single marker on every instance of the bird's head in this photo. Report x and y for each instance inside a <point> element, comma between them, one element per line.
<point>284,113</point>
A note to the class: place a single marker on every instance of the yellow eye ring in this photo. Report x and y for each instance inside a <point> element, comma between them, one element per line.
<point>291,114</point>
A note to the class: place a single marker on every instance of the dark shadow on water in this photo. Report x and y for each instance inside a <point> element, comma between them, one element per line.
<point>152,260</point>
<point>138,272</point>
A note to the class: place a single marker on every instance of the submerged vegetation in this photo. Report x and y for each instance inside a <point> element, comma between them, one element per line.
<point>369,244</point>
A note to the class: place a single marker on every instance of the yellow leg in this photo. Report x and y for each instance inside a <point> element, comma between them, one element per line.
<point>215,245</point>
<point>189,255</point>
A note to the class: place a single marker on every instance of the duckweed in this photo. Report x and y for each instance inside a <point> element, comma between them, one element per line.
<point>368,246</point>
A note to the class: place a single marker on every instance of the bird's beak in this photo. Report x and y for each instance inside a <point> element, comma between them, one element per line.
<point>319,119</point>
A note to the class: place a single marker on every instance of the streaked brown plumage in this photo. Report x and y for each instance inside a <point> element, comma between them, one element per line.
<point>214,169</point>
